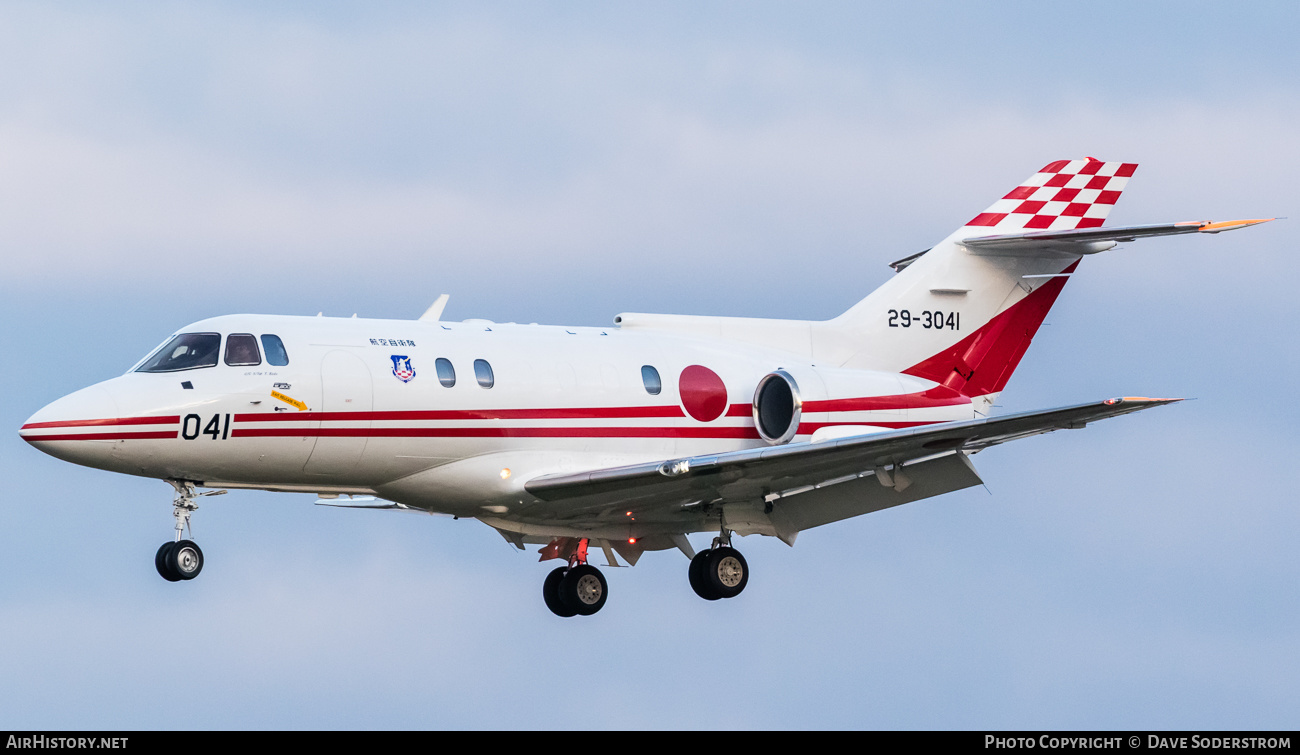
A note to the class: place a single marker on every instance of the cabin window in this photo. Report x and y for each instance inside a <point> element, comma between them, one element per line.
<point>241,350</point>
<point>483,371</point>
<point>188,351</point>
<point>274,348</point>
<point>446,372</point>
<point>650,378</point>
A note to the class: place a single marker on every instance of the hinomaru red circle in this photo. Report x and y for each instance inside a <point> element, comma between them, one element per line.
<point>704,395</point>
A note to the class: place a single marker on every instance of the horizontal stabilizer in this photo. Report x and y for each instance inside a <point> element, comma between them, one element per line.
<point>1091,240</point>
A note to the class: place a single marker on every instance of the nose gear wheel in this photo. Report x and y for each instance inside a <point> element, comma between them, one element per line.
<point>182,559</point>
<point>160,562</point>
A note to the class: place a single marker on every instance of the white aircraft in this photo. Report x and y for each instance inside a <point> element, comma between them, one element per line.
<point>626,438</point>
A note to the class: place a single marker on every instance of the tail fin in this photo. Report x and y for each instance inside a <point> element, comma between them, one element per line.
<point>964,316</point>
<point>1064,195</point>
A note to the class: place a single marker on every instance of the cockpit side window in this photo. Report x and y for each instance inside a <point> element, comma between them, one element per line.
<point>276,356</point>
<point>187,351</point>
<point>241,350</point>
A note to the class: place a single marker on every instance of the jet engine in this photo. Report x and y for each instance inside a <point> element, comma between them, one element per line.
<point>777,407</point>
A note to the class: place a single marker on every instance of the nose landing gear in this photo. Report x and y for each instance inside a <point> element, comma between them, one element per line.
<point>181,559</point>
<point>578,589</point>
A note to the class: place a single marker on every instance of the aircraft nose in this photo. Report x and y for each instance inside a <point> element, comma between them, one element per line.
<point>60,427</point>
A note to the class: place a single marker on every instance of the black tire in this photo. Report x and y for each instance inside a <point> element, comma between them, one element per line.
<point>185,559</point>
<point>727,573</point>
<point>699,580</point>
<point>162,560</point>
<point>551,594</point>
<point>584,589</point>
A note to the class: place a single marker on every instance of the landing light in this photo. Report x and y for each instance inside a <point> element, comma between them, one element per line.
<point>505,473</point>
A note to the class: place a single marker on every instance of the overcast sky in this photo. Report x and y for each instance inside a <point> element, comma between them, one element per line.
<point>563,162</point>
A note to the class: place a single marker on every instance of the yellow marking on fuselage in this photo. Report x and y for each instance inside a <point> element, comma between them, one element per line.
<point>302,407</point>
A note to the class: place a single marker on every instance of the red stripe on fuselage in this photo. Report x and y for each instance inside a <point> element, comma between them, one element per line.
<point>741,433</point>
<point>154,435</point>
<point>808,428</point>
<point>599,412</point>
<point>104,422</point>
<point>936,396</point>
<point>497,432</point>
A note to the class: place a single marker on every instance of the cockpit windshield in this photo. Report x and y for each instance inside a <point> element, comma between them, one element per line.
<point>186,351</point>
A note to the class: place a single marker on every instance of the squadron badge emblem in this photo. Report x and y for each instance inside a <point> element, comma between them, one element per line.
<point>402,368</point>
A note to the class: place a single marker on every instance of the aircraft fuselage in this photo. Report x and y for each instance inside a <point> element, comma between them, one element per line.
<point>361,408</point>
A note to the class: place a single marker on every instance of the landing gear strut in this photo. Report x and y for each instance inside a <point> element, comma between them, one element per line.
<point>578,589</point>
<point>720,571</point>
<point>181,559</point>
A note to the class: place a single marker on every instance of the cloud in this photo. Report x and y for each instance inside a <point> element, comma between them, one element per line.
<point>476,145</point>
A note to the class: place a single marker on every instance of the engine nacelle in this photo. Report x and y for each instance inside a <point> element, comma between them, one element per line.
<point>777,407</point>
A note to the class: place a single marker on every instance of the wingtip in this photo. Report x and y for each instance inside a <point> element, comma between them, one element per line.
<point>1231,225</point>
<point>1140,400</point>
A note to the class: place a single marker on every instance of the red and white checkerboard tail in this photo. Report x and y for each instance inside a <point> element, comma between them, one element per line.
<point>963,315</point>
<point>1064,195</point>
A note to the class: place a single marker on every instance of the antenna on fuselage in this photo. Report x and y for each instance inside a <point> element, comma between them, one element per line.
<point>434,312</point>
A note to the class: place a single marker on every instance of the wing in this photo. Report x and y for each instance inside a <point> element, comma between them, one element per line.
<point>802,485</point>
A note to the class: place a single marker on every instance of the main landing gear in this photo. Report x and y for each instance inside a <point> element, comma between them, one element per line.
<point>181,559</point>
<point>720,571</point>
<point>578,589</point>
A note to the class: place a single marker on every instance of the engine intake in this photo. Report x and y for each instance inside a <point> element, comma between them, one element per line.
<point>777,407</point>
